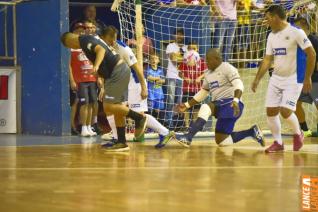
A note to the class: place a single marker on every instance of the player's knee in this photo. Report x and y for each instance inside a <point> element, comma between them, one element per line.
<point>270,111</point>
<point>285,112</point>
<point>224,140</point>
<point>205,112</point>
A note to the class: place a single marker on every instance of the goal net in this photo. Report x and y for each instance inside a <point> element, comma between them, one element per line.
<point>242,43</point>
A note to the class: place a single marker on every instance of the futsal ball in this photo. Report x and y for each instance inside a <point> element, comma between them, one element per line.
<point>191,58</point>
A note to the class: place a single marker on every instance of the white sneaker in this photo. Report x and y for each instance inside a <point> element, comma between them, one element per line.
<point>91,132</point>
<point>85,133</point>
<point>107,136</point>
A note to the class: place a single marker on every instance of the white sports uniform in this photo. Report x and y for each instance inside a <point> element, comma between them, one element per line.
<point>134,88</point>
<point>285,85</point>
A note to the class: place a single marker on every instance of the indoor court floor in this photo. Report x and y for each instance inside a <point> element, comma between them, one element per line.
<point>46,174</point>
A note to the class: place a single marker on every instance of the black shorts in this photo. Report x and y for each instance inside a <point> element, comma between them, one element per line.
<point>73,97</point>
<point>87,92</point>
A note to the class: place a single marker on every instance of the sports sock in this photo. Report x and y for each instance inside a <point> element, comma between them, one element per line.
<point>304,126</point>
<point>293,122</point>
<point>195,127</point>
<point>111,121</point>
<point>275,128</point>
<point>238,136</point>
<point>155,125</point>
<point>121,134</point>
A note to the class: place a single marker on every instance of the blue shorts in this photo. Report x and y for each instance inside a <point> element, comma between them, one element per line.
<point>225,116</point>
<point>156,104</point>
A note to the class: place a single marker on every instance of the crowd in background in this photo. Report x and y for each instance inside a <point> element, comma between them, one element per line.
<point>182,78</point>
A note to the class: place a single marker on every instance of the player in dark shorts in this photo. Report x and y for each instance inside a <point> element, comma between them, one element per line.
<point>311,97</point>
<point>116,73</point>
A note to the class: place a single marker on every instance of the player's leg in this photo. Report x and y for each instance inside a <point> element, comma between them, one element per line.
<point>206,110</point>
<point>73,103</point>
<point>291,94</point>
<point>92,95</point>
<point>272,102</point>
<point>84,105</point>
<point>300,113</point>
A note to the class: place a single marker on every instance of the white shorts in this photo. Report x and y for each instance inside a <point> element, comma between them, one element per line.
<point>283,92</point>
<point>135,102</point>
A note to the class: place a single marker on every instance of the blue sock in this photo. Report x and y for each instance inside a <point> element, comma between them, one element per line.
<point>237,136</point>
<point>195,127</point>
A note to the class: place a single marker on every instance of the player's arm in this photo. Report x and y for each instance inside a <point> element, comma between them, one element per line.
<point>238,91</point>
<point>100,54</point>
<point>141,77</point>
<point>72,81</point>
<point>265,65</point>
<point>310,66</point>
<point>198,97</point>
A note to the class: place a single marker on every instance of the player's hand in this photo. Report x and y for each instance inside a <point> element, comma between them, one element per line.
<point>144,93</point>
<point>95,69</point>
<point>73,85</point>
<point>307,85</point>
<point>254,85</point>
<point>101,95</point>
<point>180,108</point>
<point>236,108</point>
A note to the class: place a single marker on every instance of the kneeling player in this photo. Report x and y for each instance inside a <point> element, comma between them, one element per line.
<point>223,81</point>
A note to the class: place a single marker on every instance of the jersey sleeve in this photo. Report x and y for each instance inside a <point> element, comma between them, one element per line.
<point>231,73</point>
<point>269,48</point>
<point>205,84</point>
<point>129,56</point>
<point>302,39</point>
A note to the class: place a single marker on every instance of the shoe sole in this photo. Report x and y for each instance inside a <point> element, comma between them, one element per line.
<point>262,143</point>
<point>166,142</point>
<point>143,128</point>
<point>183,144</point>
<point>274,151</point>
<point>117,150</point>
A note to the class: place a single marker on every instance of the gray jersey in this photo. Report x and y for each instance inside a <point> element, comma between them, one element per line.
<point>219,81</point>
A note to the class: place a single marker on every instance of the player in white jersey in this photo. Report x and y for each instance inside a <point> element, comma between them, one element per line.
<point>223,82</point>
<point>284,47</point>
<point>135,101</point>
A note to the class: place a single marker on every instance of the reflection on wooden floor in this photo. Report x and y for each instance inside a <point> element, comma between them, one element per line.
<point>203,178</point>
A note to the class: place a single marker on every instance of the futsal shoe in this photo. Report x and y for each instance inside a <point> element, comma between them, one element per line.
<point>140,127</point>
<point>183,140</point>
<point>85,133</point>
<point>109,143</point>
<point>164,140</point>
<point>74,131</point>
<point>275,147</point>
<point>298,141</point>
<point>117,147</point>
<point>307,133</point>
<point>141,139</point>
<point>258,135</point>
<point>91,132</point>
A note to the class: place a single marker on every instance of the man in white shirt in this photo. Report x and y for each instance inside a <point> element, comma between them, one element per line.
<point>175,52</point>
<point>289,78</point>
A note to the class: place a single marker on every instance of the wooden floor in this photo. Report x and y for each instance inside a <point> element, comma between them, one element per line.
<point>36,175</point>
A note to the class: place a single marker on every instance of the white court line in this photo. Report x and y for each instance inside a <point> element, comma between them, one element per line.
<point>154,168</point>
<point>64,191</point>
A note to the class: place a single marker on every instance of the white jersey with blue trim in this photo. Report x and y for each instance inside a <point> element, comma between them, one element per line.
<point>284,46</point>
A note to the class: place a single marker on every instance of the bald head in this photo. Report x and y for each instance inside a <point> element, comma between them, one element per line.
<point>213,58</point>
<point>70,40</point>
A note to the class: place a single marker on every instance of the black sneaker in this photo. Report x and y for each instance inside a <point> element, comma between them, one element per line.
<point>96,129</point>
<point>74,131</point>
<point>116,147</point>
<point>140,127</point>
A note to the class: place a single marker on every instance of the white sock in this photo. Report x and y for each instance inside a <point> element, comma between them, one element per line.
<point>293,122</point>
<point>84,128</point>
<point>95,120</point>
<point>275,127</point>
<point>155,125</point>
<point>112,124</point>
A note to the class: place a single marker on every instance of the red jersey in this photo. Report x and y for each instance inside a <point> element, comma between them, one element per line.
<point>82,68</point>
<point>192,73</point>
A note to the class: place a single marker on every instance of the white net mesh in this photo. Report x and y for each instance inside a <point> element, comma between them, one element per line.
<point>242,44</point>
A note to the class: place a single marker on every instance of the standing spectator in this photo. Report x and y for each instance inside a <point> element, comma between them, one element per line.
<point>225,24</point>
<point>84,82</point>
<point>311,97</point>
<point>147,47</point>
<point>192,70</point>
<point>175,52</point>
<point>155,77</point>
<point>90,28</point>
<point>79,28</point>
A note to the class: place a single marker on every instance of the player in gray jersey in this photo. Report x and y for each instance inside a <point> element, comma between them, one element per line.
<point>223,82</point>
<point>116,73</point>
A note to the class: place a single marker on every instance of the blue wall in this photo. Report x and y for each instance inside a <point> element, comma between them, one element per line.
<point>44,62</point>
